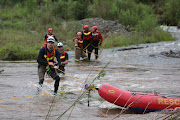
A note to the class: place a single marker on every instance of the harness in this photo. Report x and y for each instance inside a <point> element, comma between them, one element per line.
<point>49,56</point>
<point>86,36</point>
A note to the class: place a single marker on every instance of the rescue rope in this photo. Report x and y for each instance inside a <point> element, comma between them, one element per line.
<point>72,76</point>
<point>108,58</point>
<point>112,60</point>
<point>86,47</point>
<point>97,70</point>
<point>15,98</point>
<point>95,46</point>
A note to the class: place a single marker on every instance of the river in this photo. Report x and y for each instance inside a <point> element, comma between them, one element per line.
<point>138,70</point>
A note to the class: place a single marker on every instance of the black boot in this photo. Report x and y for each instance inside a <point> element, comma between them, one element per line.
<point>56,84</point>
<point>41,82</point>
<point>89,56</point>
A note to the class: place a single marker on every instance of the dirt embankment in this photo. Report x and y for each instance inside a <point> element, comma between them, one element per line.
<point>104,26</point>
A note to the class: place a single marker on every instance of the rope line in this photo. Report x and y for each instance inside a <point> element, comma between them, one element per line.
<point>86,47</point>
<point>97,70</point>
<point>15,98</point>
<point>72,76</point>
<point>95,46</point>
<point>106,57</point>
<point>112,60</point>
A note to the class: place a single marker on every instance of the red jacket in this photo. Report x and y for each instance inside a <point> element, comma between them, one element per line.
<point>97,36</point>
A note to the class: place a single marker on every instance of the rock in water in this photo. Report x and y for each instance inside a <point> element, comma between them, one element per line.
<point>1,71</point>
<point>171,54</point>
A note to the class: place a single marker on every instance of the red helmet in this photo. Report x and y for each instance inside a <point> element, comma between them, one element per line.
<point>79,33</point>
<point>86,26</point>
<point>50,29</point>
<point>95,27</point>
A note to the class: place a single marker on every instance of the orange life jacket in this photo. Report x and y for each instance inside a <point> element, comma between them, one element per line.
<point>49,55</point>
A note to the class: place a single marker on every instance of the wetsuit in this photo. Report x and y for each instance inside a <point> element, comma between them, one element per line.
<point>96,39</point>
<point>86,37</point>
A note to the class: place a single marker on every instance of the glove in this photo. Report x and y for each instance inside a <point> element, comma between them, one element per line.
<point>48,70</point>
<point>99,44</point>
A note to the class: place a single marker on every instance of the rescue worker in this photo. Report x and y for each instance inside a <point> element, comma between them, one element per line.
<point>63,57</point>
<point>46,63</point>
<point>78,43</point>
<point>50,30</point>
<point>97,40</point>
<point>86,37</point>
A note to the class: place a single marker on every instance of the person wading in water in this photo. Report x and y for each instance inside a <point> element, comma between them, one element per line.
<point>97,40</point>
<point>63,57</point>
<point>45,60</point>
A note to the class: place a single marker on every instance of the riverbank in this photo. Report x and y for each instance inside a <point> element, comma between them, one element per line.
<point>25,45</point>
<point>23,27</point>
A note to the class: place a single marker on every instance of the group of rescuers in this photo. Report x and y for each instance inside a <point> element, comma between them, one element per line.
<point>52,61</point>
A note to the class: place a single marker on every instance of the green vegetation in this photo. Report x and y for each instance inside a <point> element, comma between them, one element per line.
<point>136,38</point>
<point>23,23</point>
<point>168,10</point>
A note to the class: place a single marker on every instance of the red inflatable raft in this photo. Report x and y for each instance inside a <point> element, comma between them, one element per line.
<point>138,101</point>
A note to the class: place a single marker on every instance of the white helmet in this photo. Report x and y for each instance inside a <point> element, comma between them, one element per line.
<point>50,39</point>
<point>60,44</point>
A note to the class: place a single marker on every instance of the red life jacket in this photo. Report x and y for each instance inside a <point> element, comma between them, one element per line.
<point>49,56</point>
<point>52,35</point>
<point>86,36</point>
<point>95,36</point>
<point>80,42</point>
<point>62,56</point>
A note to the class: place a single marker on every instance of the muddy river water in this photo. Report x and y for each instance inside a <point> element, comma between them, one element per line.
<point>151,72</point>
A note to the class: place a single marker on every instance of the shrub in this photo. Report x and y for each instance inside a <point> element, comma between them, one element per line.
<point>172,12</point>
<point>15,52</point>
<point>147,24</point>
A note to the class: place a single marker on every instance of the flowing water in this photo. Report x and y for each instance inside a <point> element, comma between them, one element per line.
<point>150,72</point>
